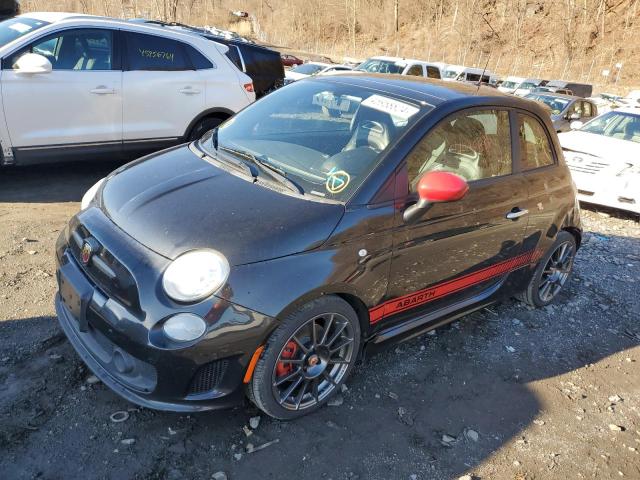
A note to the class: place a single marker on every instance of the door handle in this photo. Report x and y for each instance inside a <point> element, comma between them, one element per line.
<point>103,90</point>
<point>189,90</point>
<point>516,214</point>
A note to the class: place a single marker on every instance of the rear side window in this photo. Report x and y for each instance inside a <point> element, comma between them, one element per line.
<point>415,70</point>
<point>474,144</point>
<point>149,52</point>
<point>535,149</point>
<point>234,56</point>
<point>198,60</point>
<point>433,72</point>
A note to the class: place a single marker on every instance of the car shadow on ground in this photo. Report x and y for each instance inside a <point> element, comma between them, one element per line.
<point>50,183</point>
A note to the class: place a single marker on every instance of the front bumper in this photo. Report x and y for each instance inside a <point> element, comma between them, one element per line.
<point>615,192</point>
<point>120,344</point>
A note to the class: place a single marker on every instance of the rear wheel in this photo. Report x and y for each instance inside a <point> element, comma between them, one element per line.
<point>306,359</point>
<point>552,272</point>
<point>203,126</point>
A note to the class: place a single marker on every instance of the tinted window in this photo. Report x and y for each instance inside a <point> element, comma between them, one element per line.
<point>433,72</point>
<point>198,60</point>
<point>149,52</point>
<point>415,70</point>
<point>535,149</point>
<point>74,50</point>
<point>473,77</point>
<point>475,145</point>
<point>234,56</point>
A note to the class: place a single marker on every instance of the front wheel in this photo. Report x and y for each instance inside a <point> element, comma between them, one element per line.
<point>306,359</point>
<point>552,272</point>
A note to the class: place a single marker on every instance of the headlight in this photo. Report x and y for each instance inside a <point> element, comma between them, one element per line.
<point>629,169</point>
<point>195,275</point>
<point>184,327</point>
<point>91,193</point>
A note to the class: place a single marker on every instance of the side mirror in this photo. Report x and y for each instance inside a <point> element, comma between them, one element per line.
<point>576,125</point>
<point>436,187</point>
<point>32,63</point>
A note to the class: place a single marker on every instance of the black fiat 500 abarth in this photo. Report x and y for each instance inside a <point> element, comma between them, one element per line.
<point>333,215</point>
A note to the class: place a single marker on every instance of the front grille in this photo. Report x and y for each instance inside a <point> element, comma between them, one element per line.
<point>106,272</point>
<point>208,377</point>
<point>591,167</point>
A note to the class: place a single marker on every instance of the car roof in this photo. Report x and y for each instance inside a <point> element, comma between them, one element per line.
<point>422,89</point>
<point>405,60</point>
<point>53,17</point>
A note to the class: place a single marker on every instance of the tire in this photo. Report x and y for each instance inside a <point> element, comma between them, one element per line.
<point>203,126</point>
<point>291,356</point>
<point>550,276</point>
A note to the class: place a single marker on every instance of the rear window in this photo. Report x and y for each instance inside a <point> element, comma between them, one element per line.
<point>198,60</point>
<point>149,52</point>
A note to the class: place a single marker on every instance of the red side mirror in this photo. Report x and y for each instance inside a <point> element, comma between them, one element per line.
<point>435,187</point>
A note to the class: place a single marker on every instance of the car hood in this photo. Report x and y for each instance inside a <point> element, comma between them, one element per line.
<point>174,201</point>
<point>613,149</point>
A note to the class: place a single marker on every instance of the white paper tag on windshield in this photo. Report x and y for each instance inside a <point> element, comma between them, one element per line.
<point>20,27</point>
<point>391,106</point>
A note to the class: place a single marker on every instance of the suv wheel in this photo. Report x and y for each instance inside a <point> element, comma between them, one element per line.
<point>203,126</point>
<point>306,359</point>
<point>552,272</point>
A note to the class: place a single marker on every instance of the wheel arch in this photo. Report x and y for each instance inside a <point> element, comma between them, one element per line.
<point>577,234</point>
<point>344,292</point>
<point>218,112</point>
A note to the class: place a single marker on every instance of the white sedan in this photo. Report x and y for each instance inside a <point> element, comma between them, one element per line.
<point>604,158</point>
<point>312,68</point>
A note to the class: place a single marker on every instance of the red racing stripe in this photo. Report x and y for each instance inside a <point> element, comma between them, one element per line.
<point>443,289</point>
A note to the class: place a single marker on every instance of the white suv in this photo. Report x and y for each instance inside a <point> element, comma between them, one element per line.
<point>77,86</point>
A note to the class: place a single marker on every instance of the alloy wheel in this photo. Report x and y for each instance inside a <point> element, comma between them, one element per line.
<point>313,361</point>
<point>556,271</point>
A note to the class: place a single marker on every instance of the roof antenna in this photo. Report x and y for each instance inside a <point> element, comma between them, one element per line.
<point>489,56</point>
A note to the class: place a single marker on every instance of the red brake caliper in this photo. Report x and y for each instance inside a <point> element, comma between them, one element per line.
<point>289,351</point>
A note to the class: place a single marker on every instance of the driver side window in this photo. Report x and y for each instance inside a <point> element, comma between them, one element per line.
<point>474,144</point>
<point>81,49</point>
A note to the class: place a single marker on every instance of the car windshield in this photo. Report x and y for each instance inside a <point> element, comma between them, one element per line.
<point>509,84</point>
<point>556,104</point>
<point>308,68</point>
<point>16,27</point>
<point>324,137</point>
<point>380,66</point>
<point>625,126</point>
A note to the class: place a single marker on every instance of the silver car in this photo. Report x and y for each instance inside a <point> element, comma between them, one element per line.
<point>566,109</point>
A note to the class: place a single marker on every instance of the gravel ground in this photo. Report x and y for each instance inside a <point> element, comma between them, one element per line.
<point>505,393</point>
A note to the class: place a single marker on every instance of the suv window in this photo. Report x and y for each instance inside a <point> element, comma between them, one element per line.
<point>433,72</point>
<point>150,52</point>
<point>415,70</point>
<point>234,55</point>
<point>198,60</point>
<point>535,149</point>
<point>474,144</point>
<point>81,49</point>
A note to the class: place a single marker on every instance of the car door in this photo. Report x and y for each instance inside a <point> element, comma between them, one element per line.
<point>162,91</point>
<point>77,107</point>
<point>460,250</point>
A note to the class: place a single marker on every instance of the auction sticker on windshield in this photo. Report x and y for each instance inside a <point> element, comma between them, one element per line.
<point>391,106</point>
<point>337,181</point>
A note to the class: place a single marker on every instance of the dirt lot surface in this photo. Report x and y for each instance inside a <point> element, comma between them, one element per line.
<point>505,393</point>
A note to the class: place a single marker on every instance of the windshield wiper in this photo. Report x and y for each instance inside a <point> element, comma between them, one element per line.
<point>264,162</point>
